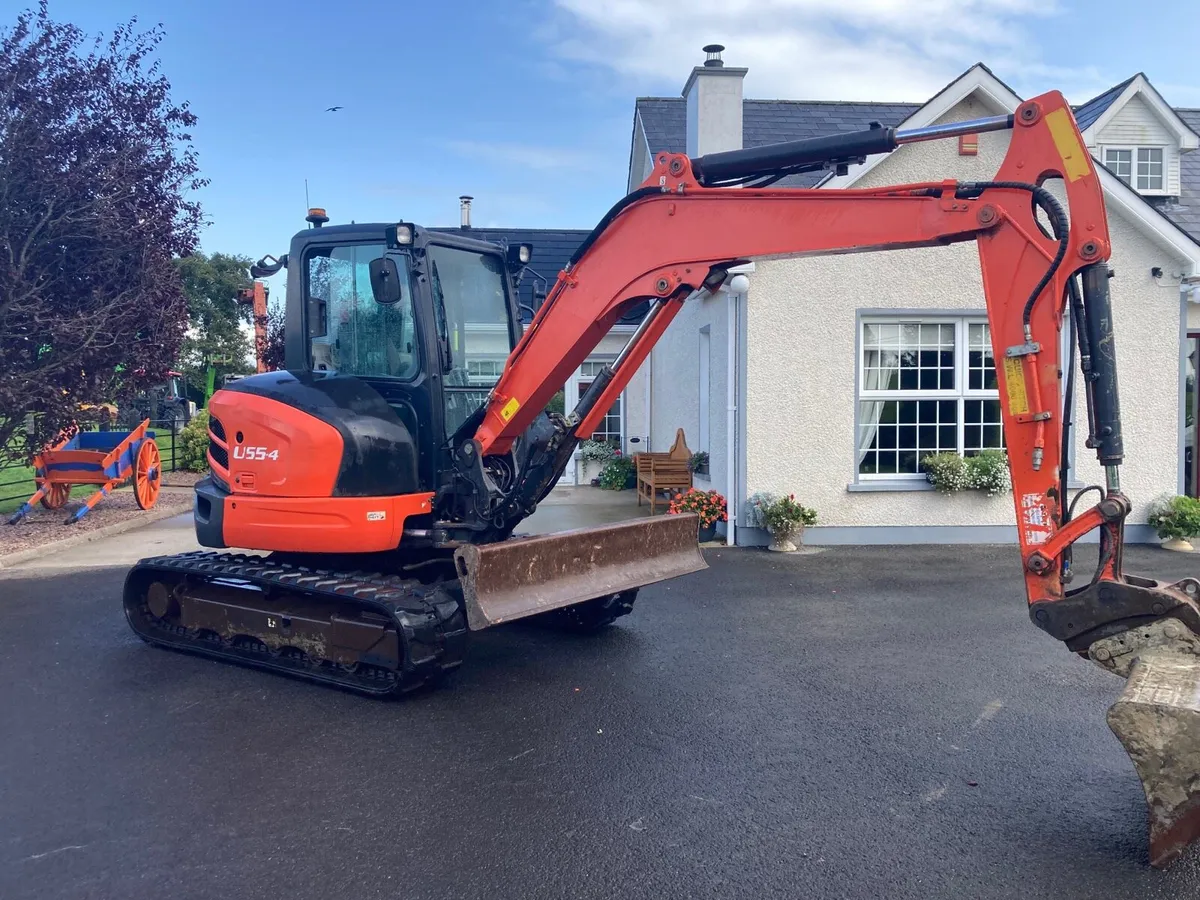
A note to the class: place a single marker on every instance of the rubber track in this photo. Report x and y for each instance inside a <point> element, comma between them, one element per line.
<point>428,617</point>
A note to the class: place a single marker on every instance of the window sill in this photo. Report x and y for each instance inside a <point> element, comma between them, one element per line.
<point>899,485</point>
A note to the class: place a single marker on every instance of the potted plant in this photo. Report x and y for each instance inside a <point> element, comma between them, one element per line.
<point>708,505</point>
<point>594,456</point>
<point>617,475</point>
<point>698,463</point>
<point>785,520</point>
<point>1175,519</point>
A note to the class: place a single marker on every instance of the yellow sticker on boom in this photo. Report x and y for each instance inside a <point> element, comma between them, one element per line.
<point>509,409</point>
<point>1014,385</point>
<point>1066,142</point>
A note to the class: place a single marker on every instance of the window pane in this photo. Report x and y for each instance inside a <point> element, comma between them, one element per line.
<point>981,365</point>
<point>363,337</point>
<point>1121,163</point>
<point>905,432</point>
<point>907,356</point>
<point>609,429</point>
<point>983,429</point>
<point>1149,169</point>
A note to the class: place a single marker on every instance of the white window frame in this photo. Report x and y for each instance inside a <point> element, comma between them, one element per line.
<point>961,377</point>
<point>1133,149</point>
<point>572,391</point>
<point>485,379</point>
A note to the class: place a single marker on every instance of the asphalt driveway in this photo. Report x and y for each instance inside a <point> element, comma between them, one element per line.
<point>862,722</point>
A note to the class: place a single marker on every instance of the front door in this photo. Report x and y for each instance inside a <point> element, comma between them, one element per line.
<point>611,428</point>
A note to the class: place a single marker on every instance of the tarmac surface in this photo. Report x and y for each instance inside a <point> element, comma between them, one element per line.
<point>858,722</point>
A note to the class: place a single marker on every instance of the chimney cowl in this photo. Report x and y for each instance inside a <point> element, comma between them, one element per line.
<point>464,208</point>
<point>712,58</point>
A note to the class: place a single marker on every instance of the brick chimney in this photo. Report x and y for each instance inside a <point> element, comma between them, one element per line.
<point>714,105</point>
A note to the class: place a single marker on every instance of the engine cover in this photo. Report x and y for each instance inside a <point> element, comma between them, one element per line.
<point>300,434</point>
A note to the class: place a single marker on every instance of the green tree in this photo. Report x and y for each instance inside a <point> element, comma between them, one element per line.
<point>218,326</point>
<point>97,182</point>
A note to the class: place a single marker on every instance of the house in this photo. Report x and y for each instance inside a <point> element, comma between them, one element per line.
<point>780,383</point>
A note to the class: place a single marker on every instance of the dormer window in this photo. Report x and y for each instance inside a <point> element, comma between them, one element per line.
<point>1139,167</point>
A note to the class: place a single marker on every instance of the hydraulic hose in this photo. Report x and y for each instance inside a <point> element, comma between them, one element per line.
<point>1058,224</point>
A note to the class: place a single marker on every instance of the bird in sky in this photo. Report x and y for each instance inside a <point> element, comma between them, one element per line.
<point>333,109</point>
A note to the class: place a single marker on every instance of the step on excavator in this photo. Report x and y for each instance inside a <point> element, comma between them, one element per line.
<point>381,478</point>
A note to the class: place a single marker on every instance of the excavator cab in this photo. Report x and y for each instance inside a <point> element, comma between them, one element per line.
<point>426,319</point>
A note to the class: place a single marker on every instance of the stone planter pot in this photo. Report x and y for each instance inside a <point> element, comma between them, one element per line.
<point>1177,544</point>
<point>786,541</point>
<point>708,533</point>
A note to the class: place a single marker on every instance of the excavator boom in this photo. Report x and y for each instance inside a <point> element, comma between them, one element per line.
<point>695,219</point>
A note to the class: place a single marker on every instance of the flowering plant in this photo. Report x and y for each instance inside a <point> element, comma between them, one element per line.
<point>597,451</point>
<point>708,505</point>
<point>784,515</point>
<point>615,475</point>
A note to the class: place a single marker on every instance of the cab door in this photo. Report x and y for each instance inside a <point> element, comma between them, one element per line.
<point>350,334</point>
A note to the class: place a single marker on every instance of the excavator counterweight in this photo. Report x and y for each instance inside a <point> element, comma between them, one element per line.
<point>381,478</point>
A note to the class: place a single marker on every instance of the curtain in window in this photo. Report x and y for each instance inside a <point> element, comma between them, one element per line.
<point>881,371</point>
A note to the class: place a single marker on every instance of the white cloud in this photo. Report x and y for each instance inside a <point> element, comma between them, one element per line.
<point>818,49</point>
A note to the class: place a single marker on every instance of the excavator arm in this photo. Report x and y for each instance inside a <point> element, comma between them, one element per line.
<point>695,219</point>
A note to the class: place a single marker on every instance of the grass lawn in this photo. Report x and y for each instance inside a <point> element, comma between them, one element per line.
<point>17,485</point>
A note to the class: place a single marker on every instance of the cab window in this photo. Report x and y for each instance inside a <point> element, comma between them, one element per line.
<point>362,337</point>
<point>472,317</point>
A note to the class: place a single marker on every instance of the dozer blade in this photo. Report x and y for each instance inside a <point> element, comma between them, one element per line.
<point>526,576</point>
<point>1157,720</point>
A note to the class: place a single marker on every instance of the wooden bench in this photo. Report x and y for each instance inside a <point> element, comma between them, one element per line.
<point>663,472</point>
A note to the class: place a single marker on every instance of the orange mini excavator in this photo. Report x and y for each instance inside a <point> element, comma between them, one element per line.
<point>387,468</point>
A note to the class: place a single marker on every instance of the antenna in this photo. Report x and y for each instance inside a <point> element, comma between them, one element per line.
<point>306,203</point>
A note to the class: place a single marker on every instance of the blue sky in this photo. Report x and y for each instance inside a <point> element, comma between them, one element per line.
<point>528,104</point>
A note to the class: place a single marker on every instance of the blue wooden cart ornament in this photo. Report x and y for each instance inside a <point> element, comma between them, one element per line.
<point>106,458</point>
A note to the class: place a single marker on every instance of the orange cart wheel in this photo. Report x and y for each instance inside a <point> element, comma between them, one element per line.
<point>147,475</point>
<point>56,496</point>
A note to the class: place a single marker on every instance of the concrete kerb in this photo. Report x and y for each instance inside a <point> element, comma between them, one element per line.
<point>158,513</point>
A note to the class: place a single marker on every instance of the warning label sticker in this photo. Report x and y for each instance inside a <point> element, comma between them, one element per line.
<point>1014,385</point>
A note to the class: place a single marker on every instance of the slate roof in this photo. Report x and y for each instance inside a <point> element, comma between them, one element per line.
<point>1088,113</point>
<point>770,122</point>
<point>1185,211</point>
<point>664,120</point>
<point>552,249</point>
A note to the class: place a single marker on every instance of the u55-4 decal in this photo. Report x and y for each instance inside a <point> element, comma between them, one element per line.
<point>247,452</point>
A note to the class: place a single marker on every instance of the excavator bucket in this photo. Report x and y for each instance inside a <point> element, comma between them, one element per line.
<point>1157,720</point>
<point>530,575</point>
